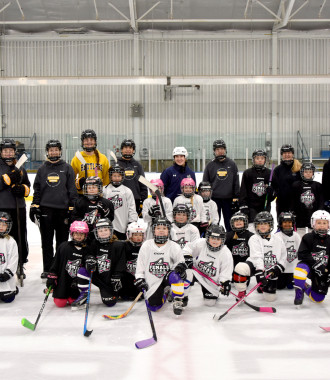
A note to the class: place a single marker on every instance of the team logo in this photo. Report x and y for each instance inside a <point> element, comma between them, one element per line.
<point>159,268</point>
<point>307,198</point>
<point>103,263</point>
<point>53,180</point>
<point>207,213</point>
<point>72,267</point>
<point>259,188</point>
<point>207,268</point>
<point>182,242</point>
<point>241,250</point>
<point>291,254</point>
<point>321,256</point>
<point>131,266</point>
<point>2,258</point>
<point>116,201</point>
<point>129,173</point>
<point>222,174</point>
<point>269,260</point>
<point>193,212</point>
<point>90,166</point>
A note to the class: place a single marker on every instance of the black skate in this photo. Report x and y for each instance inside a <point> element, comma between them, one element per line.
<point>80,302</point>
<point>18,272</point>
<point>177,305</point>
<point>299,297</point>
<point>185,301</point>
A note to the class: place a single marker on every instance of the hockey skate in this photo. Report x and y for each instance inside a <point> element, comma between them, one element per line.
<point>299,296</point>
<point>177,305</point>
<point>185,301</point>
<point>18,272</point>
<point>80,302</point>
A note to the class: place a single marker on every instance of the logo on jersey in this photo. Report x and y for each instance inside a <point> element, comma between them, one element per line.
<point>159,268</point>
<point>259,188</point>
<point>240,250</point>
<point>116,201</point>
<point>207,268</point>
<point>182,242</point>
<point>222,174</point>
<point>193,212</point>
<point>90,217</point>
<point>72,267</point>
<point>129,173</point>
<point>320,256</point>
<point>91,166</point>
<point>131,266</point>
<point>291,254</point>
<point>269,260</point>
<point>53,180</point>
<point>307,198</point>
<point>207,213</point>
<point>103,263</point>
<point>2,258</point>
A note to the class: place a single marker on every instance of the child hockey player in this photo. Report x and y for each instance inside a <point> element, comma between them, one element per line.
<point>237,240</point>
<point>291,239</point>
<point>210,207</point>
<point>122,199</point>
<point>313,256</point>
<point>69,258</point>
<point>151,207</point>
<point>9,260</point>
<point>213,259</point>
<point>267,256</point>
<point>161,264</point>
<point>107,263</point>
<point>307,197</point>
<point>194,202</point>
<point>136,233</point>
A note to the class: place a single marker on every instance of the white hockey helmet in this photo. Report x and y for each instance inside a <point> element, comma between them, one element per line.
<point>320,215</point>
<point>136,228</point>
<point>180,151</point>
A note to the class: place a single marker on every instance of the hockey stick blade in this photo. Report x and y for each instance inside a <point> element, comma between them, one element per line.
<point>148,342</point>
<point>113,156</point>
<point>145,343</point>
<point>327,329</point>
<point>262,309</point>
<point>126,312</point>
<point>80,157</point>
<point>21,161</point>
<point>155,190</point>
<point>88,332</point>
<point>28,324</point>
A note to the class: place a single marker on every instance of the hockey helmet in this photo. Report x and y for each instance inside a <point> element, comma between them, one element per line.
<point>5,218</point>
<point>307,166</point>
<point>287,216</point>
<point>136,228</point>
<point>119,170</point>
<point>187,182</point>
<point>100,225</point>
<point>161,221</point>
<point>217,232</point>
<point>205,191</point>
<point>8,143</point>
<point>239,216</point>
<point>93,181</point>
<point>130,143</point>
<point>180,151</point>
<point>53,144</point>
<point>264,217</point>
<point>181,209</point>
<point>320,215</point>
<point>79,226</point>
<point>258,153</point>
<point>88,133</point>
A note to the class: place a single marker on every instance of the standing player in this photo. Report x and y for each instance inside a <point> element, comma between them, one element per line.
<point>9,260</point>
<point>161,264</point>
<point>326,185</point>
<point>313,256</point>
<point>210,207</point>
<point>53,200</point>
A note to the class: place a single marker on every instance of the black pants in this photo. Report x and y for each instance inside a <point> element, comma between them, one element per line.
<point>225,206</point>
<point>52,221</point>
<point>14,230</point>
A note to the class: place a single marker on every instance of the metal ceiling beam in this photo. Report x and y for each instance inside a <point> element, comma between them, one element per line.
<point>299,9</point>
<point>285,20</point>
<point>118,11</point>
<point>321,8</point>
<point>132,12</point>
<point>96,11</point>
<point>20,9</point>
<point>267,9</point>
<point>3,8</point>
<point>148,11</point>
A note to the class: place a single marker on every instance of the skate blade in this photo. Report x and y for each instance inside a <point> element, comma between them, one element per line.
<point>80,307</point>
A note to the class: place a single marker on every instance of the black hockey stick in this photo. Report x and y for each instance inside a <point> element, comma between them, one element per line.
<point>88,332</point>
<point>269,184</point>
<point>148,342</point>
<point>155,190</point>
<point>30,325</point>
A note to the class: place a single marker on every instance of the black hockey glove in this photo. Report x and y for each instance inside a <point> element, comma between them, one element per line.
<point>226,287</point>
<point>245,210</point>
<point>18,191</point>
<point>319,268</point>
<point>103,210</point>
<point>327,206</point>
<point>4,277</point>
<point>90,263</point>
<point>275,271</point>
<point>189,261</point>
<point>35,214</point>
<point>13,177</point>
<point>81,182</point>
<point>181,270</point>
<point>154,211</point>
<point>51,280</point>
<point>260,276</point>
<point>234,205</point>
<point>141,284</point>
<point>116,282</point>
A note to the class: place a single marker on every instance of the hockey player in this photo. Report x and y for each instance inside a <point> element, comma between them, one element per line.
<point>14,186</point>
<point>151,206</point>
<point>9,260</point>
<point>255,188</point>
<point>133,170</point>
<point>291,239</point>
<point>194,202</point>
<point>54,196</point>
<point>92,206</point>
<point>237,240</point>
<point>210,207</point>
<point>161,264</point>
<point>107,263</point>
<point>95,161</point>
<point>123,201</point>
<point>313,256</point>
<point>267,257</point>
<point>326,185</point>
<point>69,258</point>
<point>136,234</point>
<point>173,175</point>
<point>213,258</point>
<point>306,197</point>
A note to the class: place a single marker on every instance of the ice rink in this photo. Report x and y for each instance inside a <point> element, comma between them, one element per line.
<point>244,345</point>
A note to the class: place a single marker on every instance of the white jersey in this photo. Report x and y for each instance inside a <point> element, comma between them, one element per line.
<point>292,244</point>
<point>147,204</point>
<point>217,265</point>
<point>124,206</point>
<point>264,254</point>
<point>8,262</point>
<point>185,234</point>
<point>195,203</point>
<point>211,212</point>
<point>154,262</point>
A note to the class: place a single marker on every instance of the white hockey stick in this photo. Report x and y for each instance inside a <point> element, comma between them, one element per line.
<point>82,161</point>
<point>112,154</point>
<point>21,161</point>
<point>155,190</point>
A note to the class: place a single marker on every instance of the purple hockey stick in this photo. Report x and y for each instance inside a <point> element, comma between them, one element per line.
<point>148,342</point>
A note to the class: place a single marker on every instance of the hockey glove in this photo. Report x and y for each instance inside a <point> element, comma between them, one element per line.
<point>81,182</point>
<point>234,206</point>
<point>103,210</point>
<point>4,277</point>
<point>90,263</point>
<point>319,268</point>
<point>226,286</point>
<point>189,261</point>
<point>116,283</point>
<point>181,270</point>
<point>245,210</point>
<point>51,280</point>
<point>275,271</point>
<point>35,214</point>
<point>260,276</point>
<point>154,211</point>
<point>13,177</point>
<point>141,284</point>
<point>327,206</point>
<point>18,191</point>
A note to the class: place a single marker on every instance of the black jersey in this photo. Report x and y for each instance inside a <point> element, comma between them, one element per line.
<point>238,245</point>
<point>314,248</point>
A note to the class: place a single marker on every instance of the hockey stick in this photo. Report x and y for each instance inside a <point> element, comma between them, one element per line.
<point>155,190</point>
<point>83,162</point>
<point>30,325</point>
<point>88,332</point>
<point>269,184</point>
<point>148,342</point>
<point>126,312</point>
<point>113,156</point>
<point>262,309</point>
<point>327,329</point>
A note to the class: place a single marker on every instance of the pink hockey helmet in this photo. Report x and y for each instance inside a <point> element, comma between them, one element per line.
<point>189,182</point>
<point>160,184</point>
<point>79,226</point>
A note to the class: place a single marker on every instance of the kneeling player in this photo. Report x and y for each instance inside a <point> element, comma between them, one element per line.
<point>213,259</point>
<point>107,264</point>
<point>161,264</point>
<point>313,256</point>
<point>9,260</point>
<point>267,256</point>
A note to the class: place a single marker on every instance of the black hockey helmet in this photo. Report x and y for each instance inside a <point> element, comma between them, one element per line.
<point>287,148</point>
<point>8,143</point>
<point>217,232</point>
<point>179,209</point>
<point>257,153</point>
<point>93,181</point>
<point>239,216</point>
<point>307,166</point>
<point>219,144</point>
<point>161,221</point>
<point>88,133</point>
<point>205,187</point>
<point>287,216</point>
<point>128,142</point>
<point>53,144</point>
<point>116,169</point>
<point>264,217</point>
<point>5,218</point>
<point>103,223</point>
